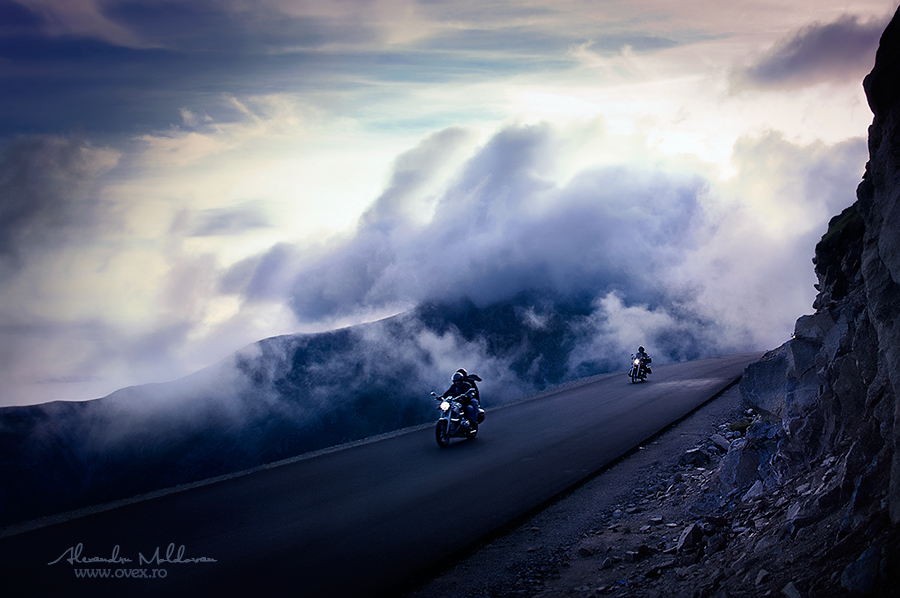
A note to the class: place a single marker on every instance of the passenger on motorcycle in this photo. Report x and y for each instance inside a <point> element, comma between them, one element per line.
<point>645,359</point>
<point>471,379</point>
<point>459,388</point>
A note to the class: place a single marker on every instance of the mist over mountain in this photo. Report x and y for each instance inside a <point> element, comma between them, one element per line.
<point>287,395</point>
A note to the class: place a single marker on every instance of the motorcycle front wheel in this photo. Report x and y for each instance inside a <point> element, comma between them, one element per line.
<point>442,433</point>
<point>635,375</point>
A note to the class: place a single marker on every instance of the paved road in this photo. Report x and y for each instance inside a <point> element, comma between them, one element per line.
<point>356,521</point>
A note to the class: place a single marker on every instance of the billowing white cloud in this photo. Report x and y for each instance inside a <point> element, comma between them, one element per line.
<point>728,253</point>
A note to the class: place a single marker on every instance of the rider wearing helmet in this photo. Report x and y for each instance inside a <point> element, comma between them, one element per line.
<point>471,379</point>
<point>645,359</point>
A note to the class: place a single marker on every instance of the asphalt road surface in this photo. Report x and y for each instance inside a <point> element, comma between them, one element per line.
<point>358,521</point>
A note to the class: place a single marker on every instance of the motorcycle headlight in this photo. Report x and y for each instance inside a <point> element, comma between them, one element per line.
<point>445,405</point>
<point>637,362</point>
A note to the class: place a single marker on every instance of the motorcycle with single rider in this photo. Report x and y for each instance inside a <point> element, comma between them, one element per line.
<point>639,369</point>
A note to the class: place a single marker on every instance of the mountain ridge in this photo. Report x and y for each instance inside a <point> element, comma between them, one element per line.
<point>295,393</point>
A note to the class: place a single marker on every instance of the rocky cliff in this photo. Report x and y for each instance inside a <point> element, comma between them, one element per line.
<point>828,400</point>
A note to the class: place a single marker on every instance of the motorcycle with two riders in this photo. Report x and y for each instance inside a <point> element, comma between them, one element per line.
<point>460,409</point>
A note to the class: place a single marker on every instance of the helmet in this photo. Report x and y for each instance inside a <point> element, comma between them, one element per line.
<point>463,371</point>
<point>457,377</point>
<point>641,349</point>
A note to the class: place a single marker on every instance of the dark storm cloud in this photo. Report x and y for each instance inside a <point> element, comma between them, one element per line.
<point>230,28</point>
<point>838,51</point>
<point>147,59</point>
<point>53,85</point>
<point>60,85</point>
<point>15,17</point>
<point>45,187</point>
<point>170,55</point>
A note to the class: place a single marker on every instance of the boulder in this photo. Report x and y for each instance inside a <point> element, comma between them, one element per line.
<point>740,465</point>
<point>860,575</point>
<point>763,384</point>
<point>720,442</point>
<point>690,537</point>
<point>791,591</point>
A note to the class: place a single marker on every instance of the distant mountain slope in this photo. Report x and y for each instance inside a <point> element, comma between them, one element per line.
<point>291,394</point>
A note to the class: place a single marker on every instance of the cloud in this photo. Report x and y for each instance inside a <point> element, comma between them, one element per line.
<point>502,226</point>
<point>839,51</point>
<point>264,119</point>
<point>16,18</point>
<point>263,277</point>
<point>716,261</point>
<point>46,186</point>
<point>230,221</point>
<point>673,333</point>
<point>750,271</point>
<point>410,196</point>
<point>97,291</point>
<point>229,215</point>
<point>132,65</point>
<point>654,246</point>
<point>80,18</point>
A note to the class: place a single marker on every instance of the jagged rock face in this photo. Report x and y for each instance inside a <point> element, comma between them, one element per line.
<point>833,389</point>
<point>879,204</point>
<point>826,388</point>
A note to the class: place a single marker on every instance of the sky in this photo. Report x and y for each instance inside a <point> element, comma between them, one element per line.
<point>179,179</point>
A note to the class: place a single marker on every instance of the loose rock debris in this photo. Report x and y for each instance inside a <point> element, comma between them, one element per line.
<point>683,531</point>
